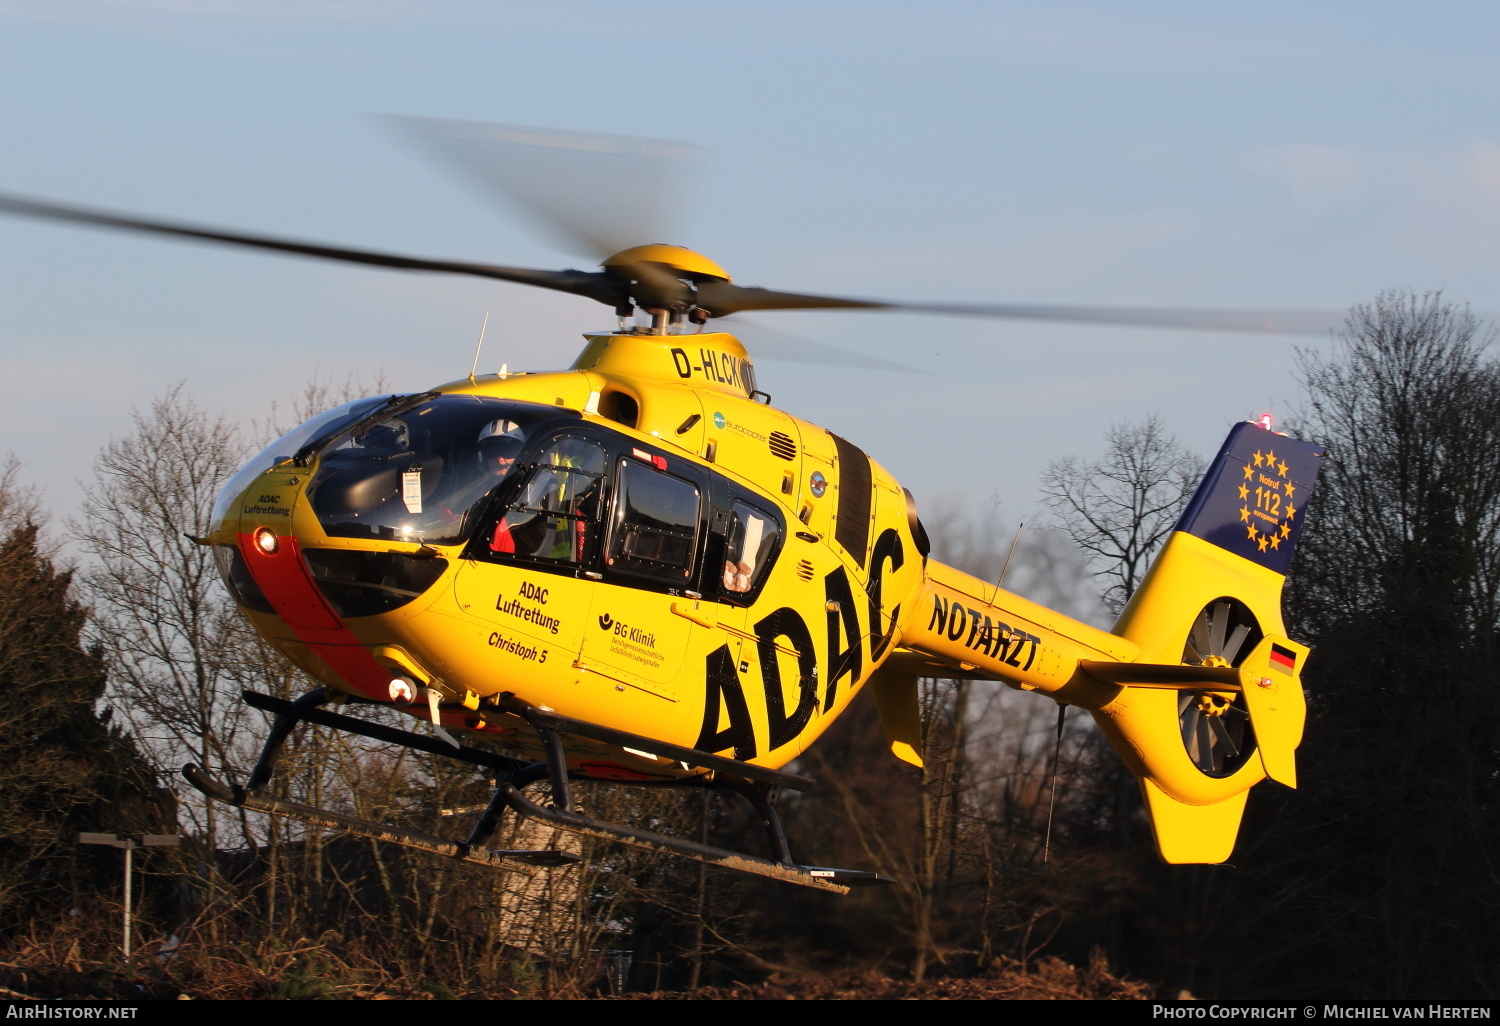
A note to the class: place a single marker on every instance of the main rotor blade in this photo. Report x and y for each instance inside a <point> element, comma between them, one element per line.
<point>724,298</point>
<point>599,193</point>
<point>596,285</point>
<point>1266,322</point>
<point>770,344</point>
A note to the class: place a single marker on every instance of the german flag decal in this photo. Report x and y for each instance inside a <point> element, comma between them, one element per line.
<point>1283,659</point>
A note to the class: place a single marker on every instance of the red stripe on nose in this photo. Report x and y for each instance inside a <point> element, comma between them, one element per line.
<point>283,578</point>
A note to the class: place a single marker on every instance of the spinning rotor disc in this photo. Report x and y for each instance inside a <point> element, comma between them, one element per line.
<point>600,195</point>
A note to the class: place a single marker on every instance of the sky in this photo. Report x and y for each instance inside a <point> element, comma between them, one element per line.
<point>1278,155</point>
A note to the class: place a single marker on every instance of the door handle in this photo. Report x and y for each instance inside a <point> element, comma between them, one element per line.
<point>704,614</point>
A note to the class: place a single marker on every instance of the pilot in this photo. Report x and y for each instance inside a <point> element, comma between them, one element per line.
<point>555,515</point>
<point>496,450</point>
<point>497,454</point>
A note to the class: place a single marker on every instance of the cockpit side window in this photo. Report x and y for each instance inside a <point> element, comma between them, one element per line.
<point>654,529</point>
<point>555,515</point>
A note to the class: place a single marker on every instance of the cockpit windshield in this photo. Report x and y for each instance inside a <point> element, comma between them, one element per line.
<point>289,444</point>
<point>423,473</point>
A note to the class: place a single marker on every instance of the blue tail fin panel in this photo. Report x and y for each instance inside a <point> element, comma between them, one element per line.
<point>1251,500</point>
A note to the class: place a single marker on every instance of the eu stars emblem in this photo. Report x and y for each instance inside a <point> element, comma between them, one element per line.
<point>1251,500</point>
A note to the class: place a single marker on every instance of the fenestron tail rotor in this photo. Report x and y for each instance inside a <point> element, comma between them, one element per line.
<point>1215,726</point>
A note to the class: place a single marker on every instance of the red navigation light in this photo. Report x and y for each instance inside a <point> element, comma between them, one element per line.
<point>1264,420</point>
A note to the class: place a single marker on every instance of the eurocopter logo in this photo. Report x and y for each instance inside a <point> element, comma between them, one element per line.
<point>625,632</point>
<point>719,420</point>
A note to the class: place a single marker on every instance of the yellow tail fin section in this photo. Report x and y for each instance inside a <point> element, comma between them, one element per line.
<point>1215,704</point>
<point>1193,833</point>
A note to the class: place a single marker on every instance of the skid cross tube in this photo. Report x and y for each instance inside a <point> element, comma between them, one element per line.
<point>760,794</point>
<point>289,717</point>
<point>379,732</point>
<point>756,784</point>
<point>763,798</point>
<point>306,708</point>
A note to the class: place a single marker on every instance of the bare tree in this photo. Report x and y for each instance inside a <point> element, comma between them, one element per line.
<point>1120,508</point>
<point>1408,512</point>
<point>173,638</point>
<point>1383,874</point>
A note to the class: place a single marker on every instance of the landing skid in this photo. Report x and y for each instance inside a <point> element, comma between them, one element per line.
<point>756,784</point>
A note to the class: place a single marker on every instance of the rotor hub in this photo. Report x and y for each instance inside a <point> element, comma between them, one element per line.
<point>693,266</point>
<point>1214,704</point>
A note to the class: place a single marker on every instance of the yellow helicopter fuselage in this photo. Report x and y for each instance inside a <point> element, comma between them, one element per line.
<point>671,556</point>
<point>683,658</point>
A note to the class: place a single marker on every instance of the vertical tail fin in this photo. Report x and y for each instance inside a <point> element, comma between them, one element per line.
<point>1215,703</point>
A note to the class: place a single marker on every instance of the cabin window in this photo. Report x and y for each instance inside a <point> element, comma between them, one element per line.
<point>749,549</point>
<point>655,529</point>
<point>555,516</point>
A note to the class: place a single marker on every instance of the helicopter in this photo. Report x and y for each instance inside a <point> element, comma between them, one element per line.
<point>638,570</point>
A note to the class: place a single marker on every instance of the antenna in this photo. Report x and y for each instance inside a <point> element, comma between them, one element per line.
<point>1062,710</point>
<point>1019,528</point>
<point>477,346</point>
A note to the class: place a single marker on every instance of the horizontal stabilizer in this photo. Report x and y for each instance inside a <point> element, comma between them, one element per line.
<point>1270,679</point>
<point>1173,677</point>
<point>1193,833</point>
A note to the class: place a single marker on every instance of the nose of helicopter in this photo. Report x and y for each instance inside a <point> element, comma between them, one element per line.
<point>283,578</point>
<point>261,558</point>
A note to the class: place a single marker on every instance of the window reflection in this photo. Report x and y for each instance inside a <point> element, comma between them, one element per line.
<point>555,516</point>
<point>655,523</point>
<point>423,474</point>
<point>752,539</point>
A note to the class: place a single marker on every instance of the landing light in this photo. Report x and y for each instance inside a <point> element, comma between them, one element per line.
<point>266,541</point>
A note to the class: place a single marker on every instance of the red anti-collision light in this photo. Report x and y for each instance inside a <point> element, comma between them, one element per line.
<point>266,541</point>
